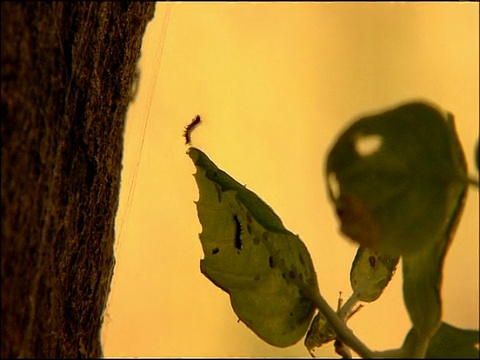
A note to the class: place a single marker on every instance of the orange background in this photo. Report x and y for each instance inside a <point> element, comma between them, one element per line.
<point>275,84</point>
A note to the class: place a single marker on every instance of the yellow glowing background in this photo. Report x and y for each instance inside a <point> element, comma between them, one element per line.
<point>275,83</point>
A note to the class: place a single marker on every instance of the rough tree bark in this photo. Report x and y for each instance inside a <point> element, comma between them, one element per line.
<point>66,79</point>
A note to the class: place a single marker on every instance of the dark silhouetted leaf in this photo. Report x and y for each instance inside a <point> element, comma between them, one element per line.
<point>449,342</point>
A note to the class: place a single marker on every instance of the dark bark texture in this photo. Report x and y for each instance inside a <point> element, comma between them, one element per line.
<point>66,79</point>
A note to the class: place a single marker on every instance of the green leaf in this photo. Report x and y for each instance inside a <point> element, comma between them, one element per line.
<point>265,268</point>
<point>422,271</point>
<point>448,342</point>
<point>398,180</point>
<point>390,175</point>
<point>370,274</point>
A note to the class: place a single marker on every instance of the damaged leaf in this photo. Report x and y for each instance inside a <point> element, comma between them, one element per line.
<point>266,270</point>
<point>390,176</point>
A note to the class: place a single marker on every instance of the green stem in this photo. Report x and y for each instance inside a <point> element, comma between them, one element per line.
<point>343,332</point>
<point>393,353</point>
<point>347,308</point>
<point>472,181</point>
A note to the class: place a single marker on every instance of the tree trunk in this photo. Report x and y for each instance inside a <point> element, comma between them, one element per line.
<point>66,79</point>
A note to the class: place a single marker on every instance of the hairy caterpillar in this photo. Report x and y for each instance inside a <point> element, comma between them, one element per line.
<point>190,128</point>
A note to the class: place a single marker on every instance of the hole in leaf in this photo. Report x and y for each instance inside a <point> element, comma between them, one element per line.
<point>366,145</point>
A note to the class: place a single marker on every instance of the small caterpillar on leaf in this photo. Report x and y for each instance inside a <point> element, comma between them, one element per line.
<point>238,232</point>
<point>193,124</point>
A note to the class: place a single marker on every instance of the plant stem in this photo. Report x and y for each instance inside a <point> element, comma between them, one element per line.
<point>343,332</point>
<point>346,310</point>
<point>473,182</point>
